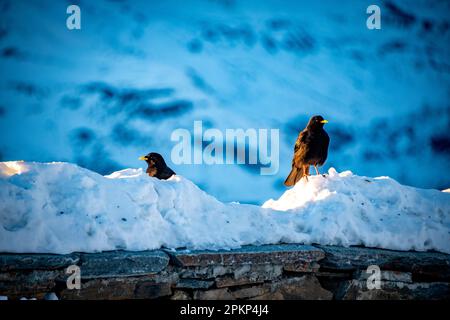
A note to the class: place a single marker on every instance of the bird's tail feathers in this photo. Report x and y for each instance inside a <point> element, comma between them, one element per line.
<point>293,177</point>
<point>300,175</point>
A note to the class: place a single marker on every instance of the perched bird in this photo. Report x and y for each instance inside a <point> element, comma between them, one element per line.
<point>157,167</point>
<point>311,148</point>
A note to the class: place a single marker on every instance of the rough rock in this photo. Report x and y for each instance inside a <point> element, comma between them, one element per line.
<point>180,295</point>
<point>10,261</point>
<point>424,266</point>
<point>34,283</point>
<point>265,254</point>
<point>204,272</point>
<point>214,294</point>
<point>250,292</point>
<point>194,284</point>
<point>395,276</point>
<point>152,290</point>
<point>394,290</point>
<point>298,288</point>
<point>102,289</point>
<point>302,266</point>
<point>147,287</point>
<point>248,274</point>
<point>122,263</point>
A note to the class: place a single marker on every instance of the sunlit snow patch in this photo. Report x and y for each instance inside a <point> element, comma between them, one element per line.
<point>10,168</point>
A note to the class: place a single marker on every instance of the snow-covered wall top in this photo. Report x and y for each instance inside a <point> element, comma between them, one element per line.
<point>62,208</point>
<point>105,94</point>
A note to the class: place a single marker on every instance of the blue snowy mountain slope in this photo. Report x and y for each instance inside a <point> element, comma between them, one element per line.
<point>116,89</point>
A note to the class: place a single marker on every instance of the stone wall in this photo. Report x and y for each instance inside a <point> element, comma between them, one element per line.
<point>285,271</point>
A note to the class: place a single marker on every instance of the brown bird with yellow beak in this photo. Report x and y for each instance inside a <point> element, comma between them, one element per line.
<point>311,149</point>
<point>157,166</point>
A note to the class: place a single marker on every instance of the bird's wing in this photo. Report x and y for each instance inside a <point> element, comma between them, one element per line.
<point>326,143</point>
<point>300,149</point>
<point>301,139</point>
<point>324,149</point>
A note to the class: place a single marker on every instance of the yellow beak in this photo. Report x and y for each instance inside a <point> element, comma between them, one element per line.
<point>324,121</point>
<point>143,158</point>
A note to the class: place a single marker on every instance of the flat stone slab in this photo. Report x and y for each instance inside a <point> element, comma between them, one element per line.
<point>424,266</point>
<point>394,290</point>
<point>214,294</point>
<point>145,287</point>
<point>393,276</point>
<point>36,283</point>
<point>32,261</point>
<point>250,274</point>
<point>194,284</point>
<point>281,254</point>
<point>306,287</point>
<point>122,263</point>
<point>250,292</point>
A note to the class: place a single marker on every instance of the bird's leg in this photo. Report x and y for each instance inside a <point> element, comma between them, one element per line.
<point>306,172</point>
<point>317,170</point>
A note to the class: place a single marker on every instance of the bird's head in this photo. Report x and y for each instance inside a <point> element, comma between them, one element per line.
<point>153,159</point>
<point>317,122</point>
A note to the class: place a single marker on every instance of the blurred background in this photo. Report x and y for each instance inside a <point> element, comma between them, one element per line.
<point>114,90</point>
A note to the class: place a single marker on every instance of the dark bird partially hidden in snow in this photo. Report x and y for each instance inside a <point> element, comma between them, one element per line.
<point>311,149</point>
<point>157,167</point>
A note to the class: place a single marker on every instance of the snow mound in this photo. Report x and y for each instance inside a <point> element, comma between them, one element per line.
<point>62,208</point>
